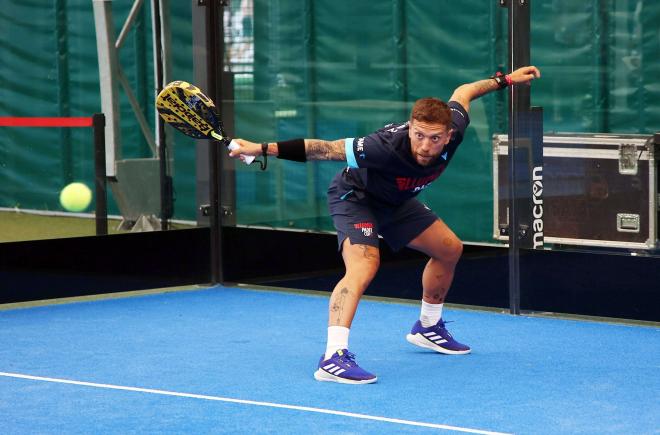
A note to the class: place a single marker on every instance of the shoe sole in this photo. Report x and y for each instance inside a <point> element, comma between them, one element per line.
<point>323,376</point>
<point>420,341</point>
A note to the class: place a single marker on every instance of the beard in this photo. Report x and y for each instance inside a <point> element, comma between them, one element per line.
<point>424,160</point>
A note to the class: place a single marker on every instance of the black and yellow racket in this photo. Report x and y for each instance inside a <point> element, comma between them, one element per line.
<point>185,107</point>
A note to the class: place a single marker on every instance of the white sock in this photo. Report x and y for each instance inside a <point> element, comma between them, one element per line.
<point>337,339</point>
<point>430,314</point>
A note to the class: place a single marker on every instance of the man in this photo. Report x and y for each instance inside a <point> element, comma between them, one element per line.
<point>375,195</point>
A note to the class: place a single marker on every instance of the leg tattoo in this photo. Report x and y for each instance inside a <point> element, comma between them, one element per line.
<point>368,251</point>
<point>338,304</point>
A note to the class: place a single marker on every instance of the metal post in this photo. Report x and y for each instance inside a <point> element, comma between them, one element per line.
<point>311,113</point>
<point>135,10</point>
<point>63,94</point>
<point>166,194</point>
<point>215,193</point>
<point>98,125</point>
<point>400,54</point>
<point>208,159</point>
<point>108,66</point>
<point>519,107</point>
<point>224,99</point>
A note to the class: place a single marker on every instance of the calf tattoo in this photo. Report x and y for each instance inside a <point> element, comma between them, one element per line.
<point>338,304</point>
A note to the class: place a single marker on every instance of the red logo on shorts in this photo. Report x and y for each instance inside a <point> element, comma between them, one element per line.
<point>366,227</point>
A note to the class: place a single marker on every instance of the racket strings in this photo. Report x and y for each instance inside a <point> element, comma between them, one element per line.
<point>186,108</point>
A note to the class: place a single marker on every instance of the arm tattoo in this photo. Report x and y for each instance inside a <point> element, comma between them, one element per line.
<point>471,91</point>
<point>482,87</point>
<point>317,149</point>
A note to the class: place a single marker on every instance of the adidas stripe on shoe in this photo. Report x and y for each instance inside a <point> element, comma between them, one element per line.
<point>436,338</point>
<point>341,367</point>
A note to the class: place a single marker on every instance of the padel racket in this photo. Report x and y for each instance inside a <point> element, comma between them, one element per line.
<point>186,108</point>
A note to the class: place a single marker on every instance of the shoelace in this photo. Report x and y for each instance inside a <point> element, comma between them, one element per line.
<point>349,359</point>
<point>441,326</point>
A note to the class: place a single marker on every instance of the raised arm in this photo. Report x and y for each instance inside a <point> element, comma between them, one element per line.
<point>471,91</point>
<point>314,149</point>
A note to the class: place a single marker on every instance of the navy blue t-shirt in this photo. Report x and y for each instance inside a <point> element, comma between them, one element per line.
<point>382,168</point>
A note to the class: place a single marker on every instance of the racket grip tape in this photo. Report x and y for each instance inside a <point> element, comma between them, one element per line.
<point>246,159</point>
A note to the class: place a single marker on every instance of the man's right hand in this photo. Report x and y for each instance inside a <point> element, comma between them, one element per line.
<point>245,148</point>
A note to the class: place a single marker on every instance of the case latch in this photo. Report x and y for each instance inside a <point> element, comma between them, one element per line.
<point>627,159</point>
<point>627,223</point>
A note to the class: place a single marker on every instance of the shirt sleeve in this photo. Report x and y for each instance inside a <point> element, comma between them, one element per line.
<point>459,120</point>
<point>371,151</point>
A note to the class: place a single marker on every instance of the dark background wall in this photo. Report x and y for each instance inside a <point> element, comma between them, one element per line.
<point>610,285</point>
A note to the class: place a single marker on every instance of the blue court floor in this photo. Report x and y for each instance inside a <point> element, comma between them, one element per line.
<point>238,360</point>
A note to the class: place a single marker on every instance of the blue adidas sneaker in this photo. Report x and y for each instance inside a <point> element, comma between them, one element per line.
<point>341,367</point>
<point>436,338</point>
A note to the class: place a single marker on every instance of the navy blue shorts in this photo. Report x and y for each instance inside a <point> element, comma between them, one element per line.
<point>362,223</point>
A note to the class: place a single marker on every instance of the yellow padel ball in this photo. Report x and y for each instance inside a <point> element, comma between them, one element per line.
<point>75,197</point>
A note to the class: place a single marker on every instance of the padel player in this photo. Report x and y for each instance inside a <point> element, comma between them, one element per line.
<point>375,195</point>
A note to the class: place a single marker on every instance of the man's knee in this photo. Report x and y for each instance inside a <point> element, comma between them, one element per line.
<point>451,249</point>
<point>361,261</point>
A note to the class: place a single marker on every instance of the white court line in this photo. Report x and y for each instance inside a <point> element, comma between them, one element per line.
<point>252,402</point>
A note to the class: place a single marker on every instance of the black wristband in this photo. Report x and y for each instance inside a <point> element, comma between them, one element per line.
<point>501,80</point>
<point>293,149</point>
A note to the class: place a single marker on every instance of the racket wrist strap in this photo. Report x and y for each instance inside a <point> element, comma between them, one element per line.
<point>264,153</point>
<point>293,149</point>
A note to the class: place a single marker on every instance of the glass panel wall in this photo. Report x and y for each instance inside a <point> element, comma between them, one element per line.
<point>57,75</point>
<point>298,74</point>
<point>600,96</point>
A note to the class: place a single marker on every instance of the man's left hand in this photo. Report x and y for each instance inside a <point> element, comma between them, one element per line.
<point>524,75</point>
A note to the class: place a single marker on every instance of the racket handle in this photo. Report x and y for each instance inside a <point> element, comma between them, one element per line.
<point>246,159</point>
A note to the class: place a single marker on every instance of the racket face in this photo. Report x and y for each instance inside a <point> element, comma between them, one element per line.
<point>186,108</point>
